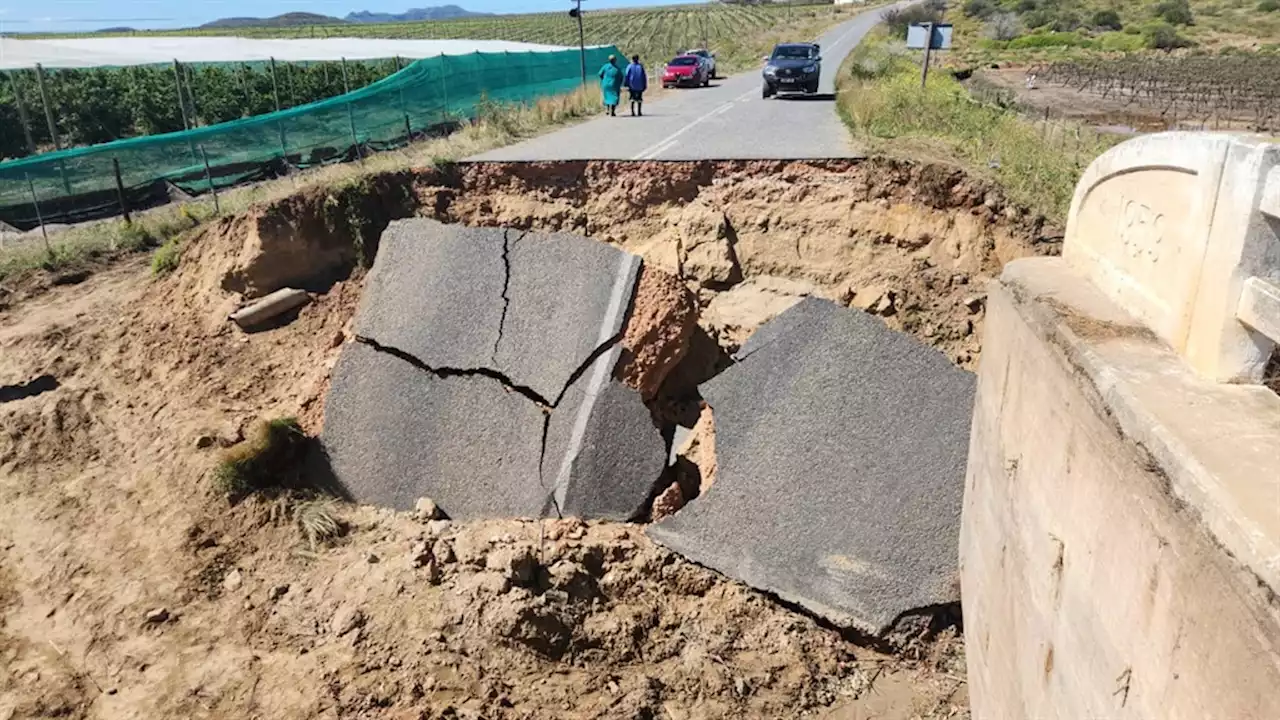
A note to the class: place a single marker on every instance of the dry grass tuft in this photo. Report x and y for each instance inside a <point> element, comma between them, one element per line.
<point>318,522</point>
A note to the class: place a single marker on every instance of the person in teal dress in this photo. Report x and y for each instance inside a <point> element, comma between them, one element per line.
<point>611,85</point>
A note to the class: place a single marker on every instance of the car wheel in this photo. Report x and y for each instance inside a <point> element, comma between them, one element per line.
<point>811,88</point>
<point>766,92</point>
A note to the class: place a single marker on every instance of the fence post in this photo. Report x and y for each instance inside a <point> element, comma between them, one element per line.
<point>444,84</point>
<point>351,113</point>
<point>191,95</point>
<point>293,87</point>
<point>22,111</point>
<point>48,111</point>
<point>124,205</point>
<point>35,201</point>
<point>404,108</point>
<point>275,85</point>
<point>177,84</point>
<point>208,175</point>
<point>53,128</point>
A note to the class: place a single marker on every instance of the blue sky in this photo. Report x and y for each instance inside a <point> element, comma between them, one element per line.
<point>80,15</point>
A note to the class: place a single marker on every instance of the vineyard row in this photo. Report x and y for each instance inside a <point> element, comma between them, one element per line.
<point>1239,88</point>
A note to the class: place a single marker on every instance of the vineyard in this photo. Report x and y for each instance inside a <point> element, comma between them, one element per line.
<point>105,104</point>
<point>1214,91</point>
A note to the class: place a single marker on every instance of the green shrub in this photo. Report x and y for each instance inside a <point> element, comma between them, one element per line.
<point>1050,39</point>
<point>166,259</point>
<point>269,458</point>
<point>1107,20</point>
<point>1038,18</point>
<point>133,237</point>
<point>1120,42</point>
<point>1269,5</point>
<point>1163,36</point>
<point>981,9</point>
<point>897,20</point>
<point>1175,12</point>
<point>1003,26</point>
<point>1066,22</point>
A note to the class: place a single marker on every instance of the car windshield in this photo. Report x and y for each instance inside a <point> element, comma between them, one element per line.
<point>684,61</point>
<point>792,52</point>
<point>701,53</point>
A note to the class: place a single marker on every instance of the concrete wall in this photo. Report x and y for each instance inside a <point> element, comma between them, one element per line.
<point>1094,582</point>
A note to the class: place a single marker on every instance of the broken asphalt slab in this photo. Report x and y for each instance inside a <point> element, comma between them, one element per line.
<point>388,445</point>
<point>531,307</point>
<point>841,448</point>
<point>482,377</point>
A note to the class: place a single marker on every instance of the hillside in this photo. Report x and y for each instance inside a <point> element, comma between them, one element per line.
<point>286,20</point>
<point>994,30</point>
<point>440,12</point>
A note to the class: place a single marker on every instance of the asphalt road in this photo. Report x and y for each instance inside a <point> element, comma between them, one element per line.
<point>728,120</point>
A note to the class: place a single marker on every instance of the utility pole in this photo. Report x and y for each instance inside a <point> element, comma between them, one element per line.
<point>576,12</point>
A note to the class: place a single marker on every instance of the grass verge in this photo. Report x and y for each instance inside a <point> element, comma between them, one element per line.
<point>1038,163</point>
<point>163,229</point>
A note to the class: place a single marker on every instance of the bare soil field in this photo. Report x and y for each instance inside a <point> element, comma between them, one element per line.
<point>131,588</point>
<point>1117,113</point>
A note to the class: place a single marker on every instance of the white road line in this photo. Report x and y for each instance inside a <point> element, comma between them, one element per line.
<point>665,143</point>
<point>847,33</point>
<point>623,281</point>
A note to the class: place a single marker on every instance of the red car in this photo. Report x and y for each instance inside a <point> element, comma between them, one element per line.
<point>686,70</point>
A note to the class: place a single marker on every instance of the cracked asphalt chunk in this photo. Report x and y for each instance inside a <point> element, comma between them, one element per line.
<point>841,448</point>
<point>495,349</point>
<point>603,453</point>
<point>395,432</point>
<point>569,297</point>
<point>435,292</point>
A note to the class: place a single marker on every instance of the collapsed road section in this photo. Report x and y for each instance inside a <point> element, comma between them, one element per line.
<point>840,448</point>
<point>482,376</point>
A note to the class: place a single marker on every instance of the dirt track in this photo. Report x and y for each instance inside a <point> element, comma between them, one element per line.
<point>106,512</point>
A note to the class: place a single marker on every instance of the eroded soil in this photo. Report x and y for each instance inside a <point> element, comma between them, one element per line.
<point>108,515</point>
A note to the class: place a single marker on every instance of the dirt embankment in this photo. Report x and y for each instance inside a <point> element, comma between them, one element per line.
<point>107,513</point>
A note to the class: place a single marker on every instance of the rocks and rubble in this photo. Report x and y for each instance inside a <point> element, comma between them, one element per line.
<point>851,439</point>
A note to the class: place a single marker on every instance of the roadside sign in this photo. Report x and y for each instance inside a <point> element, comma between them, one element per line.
<point>941,36</point>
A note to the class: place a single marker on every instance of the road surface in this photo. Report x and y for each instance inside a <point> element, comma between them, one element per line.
<point>728,120</point>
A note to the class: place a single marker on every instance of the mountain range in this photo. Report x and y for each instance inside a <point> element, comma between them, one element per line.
<point>440,12</point>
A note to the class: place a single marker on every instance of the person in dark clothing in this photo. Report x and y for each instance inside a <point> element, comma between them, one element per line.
<point>637,82</point>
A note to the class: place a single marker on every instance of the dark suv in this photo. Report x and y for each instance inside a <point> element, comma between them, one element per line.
<point>792,68</point>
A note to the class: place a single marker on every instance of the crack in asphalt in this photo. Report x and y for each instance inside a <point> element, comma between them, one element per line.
<point>507,245</point>
<point>546,406</point>
<point>447,372</point>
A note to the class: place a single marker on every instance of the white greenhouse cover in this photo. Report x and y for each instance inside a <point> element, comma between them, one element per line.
<point>122,51</point>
